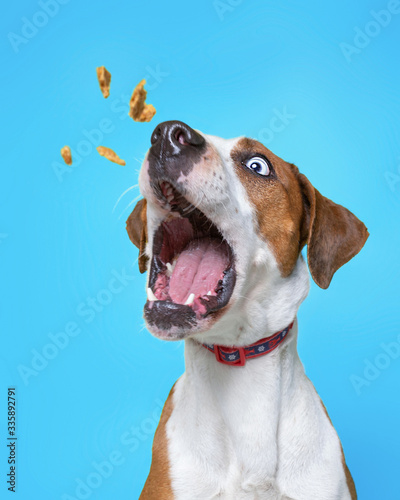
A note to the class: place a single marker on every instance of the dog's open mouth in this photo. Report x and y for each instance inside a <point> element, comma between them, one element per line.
<point>192,269</point>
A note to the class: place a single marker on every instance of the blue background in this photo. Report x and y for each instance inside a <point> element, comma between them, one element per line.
<point>62,239</point>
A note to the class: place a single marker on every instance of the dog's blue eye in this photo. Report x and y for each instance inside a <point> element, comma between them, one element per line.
<point>259,165</point>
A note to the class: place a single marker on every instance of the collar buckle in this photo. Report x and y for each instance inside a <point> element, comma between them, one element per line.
<point>238,362</point>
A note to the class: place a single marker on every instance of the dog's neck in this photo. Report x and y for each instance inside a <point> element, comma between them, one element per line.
<point>236,399</point>
<point>275,375</point>
<point>269,304</point>
<point>199,360</point>
<point>232,417</point>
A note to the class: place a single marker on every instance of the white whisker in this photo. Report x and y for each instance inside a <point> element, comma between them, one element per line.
<point>123,194</point>
<point>130,204</point>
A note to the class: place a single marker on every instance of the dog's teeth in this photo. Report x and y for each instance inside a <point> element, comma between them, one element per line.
<point>169,269</point>
<point>150,295</point>
<point>209,293</point>
<point>190,300</point>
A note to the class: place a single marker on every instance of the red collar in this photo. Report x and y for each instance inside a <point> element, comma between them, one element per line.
<point>236,356</point>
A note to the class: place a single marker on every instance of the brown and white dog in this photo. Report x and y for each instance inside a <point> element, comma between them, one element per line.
<point>220,231</point>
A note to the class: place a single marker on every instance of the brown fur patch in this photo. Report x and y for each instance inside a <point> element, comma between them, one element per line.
<point>158,483</point>
<point>136,226</point>
<point>349,479</point>
<point>292,213</point>
<point>335,234</point>
<point>278,202</point>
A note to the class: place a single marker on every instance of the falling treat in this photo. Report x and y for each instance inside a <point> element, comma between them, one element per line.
<point>104,78</point>
<point>110,155</point>
<point>66,154</point>
<point>140,111</point>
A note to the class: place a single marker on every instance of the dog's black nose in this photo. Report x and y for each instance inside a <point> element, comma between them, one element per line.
<point>173,138</point>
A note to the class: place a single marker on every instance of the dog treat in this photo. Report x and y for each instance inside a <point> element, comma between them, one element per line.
<point>140,111</point>
<point>110,155</point>
<point>104,78</point>
<point>66,154</point>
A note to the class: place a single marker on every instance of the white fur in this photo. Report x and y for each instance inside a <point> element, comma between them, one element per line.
<point>258,431</point>
<point>253,432</point>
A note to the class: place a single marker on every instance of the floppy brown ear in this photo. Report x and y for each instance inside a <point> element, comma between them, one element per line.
<point>136,225</point>
<point>334,235</point>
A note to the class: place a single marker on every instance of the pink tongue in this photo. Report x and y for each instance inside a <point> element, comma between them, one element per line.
<point>198,269</point>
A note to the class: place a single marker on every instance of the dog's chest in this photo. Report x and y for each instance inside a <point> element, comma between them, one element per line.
<point>222,442</point>
<point>258,433</point>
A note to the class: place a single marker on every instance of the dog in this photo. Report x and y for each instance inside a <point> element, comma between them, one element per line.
<point>220,230</point>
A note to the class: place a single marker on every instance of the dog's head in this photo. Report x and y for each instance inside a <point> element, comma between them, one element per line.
<point>220,231</point>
